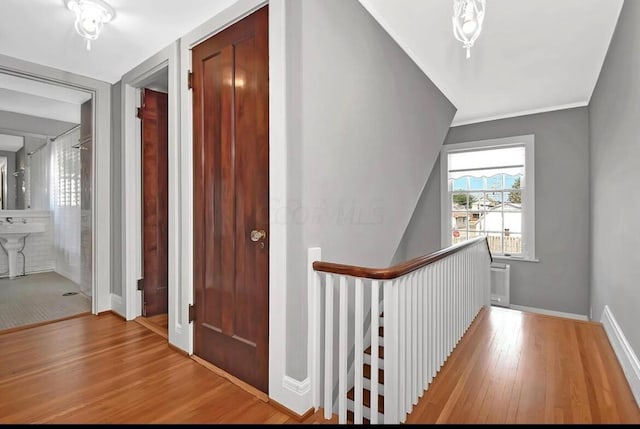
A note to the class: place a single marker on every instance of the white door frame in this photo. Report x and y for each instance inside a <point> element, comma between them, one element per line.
<point>288,392</point>
<point>101,180</point>
<point>132,82</point>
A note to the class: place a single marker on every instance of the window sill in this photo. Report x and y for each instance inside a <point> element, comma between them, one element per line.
<point>515,258</point>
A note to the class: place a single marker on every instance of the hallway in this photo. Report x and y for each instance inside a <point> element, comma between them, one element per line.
<point>510,367</point>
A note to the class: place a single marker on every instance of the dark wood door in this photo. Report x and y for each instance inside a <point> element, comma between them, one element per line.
<point>231,199</point>
<point>155,191</point>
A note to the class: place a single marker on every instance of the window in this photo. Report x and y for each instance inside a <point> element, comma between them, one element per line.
<point>488,189</point>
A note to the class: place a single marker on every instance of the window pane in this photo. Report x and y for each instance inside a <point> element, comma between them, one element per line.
<point>514,196</point>
<point>460,221</point>
<point>476,201</point>
<point>492,221</point>
<point>459,201</point>
<point>513,244</point>
<point>475,221</point>
<point>476,183</point>
<point>513,222</point>
<point>495,243</point>
<point>513,181</point>
<point>493,199</point>
<point>460,184</point>
<point>495,182</point>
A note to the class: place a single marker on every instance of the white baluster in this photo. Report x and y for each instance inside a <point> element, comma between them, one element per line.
<point>328,348</point>
<point>449,292</point>
<point>375,327</point>
<point>359,351</point>
<point>453,287</point>
<point>467,270</point>
<point>391,342</point>
<point>420,331</point>
<point>415,379</point>
<point>440,312</point>
<point>342,351</point>
<point>402,360</point>
<point>432,339</point>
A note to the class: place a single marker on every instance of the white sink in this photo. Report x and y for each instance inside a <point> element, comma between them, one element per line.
<point>12,239</point>
<point>18,230</point>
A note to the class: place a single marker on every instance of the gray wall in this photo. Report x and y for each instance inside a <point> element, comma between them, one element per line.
<point>18,124</point>
<point>422,235</point>
<point>365,128</point>
<point>116,189</point>
<point>615,175</point>
<point>560,281</point>
<point>11,179</point>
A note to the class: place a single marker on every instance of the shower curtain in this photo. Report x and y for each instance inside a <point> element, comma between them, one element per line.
<point>65,204</point>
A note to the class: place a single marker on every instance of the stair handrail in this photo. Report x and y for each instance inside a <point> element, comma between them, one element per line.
<point>398,270</point>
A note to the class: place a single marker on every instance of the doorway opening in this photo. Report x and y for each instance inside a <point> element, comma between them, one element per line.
<point>46,216</point>
<point>152,120</point>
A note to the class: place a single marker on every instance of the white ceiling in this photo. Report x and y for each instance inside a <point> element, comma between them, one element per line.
<point>42,31</point>
<point>40,99</point>
<point>11,143</point>
<point>532,55</point>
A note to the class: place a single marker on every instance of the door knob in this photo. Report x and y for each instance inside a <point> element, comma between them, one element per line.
<point>258,235</point>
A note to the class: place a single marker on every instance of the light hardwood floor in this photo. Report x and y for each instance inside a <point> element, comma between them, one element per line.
<point>515,367</point>
<point>510,367</point>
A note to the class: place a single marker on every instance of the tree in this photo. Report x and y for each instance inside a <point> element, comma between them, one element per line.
<point>461,200</point>
<point>516,196</point>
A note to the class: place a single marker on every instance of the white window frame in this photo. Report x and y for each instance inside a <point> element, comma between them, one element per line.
<point>528,192</point>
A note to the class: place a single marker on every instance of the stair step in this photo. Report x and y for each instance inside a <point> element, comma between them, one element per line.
<point>367,360</point>
<point>380,351</point>
<point>366,414</point>
<point>366,399</point>
<point>351,418</point>
<point>366,372</point>
<point>366,384</point>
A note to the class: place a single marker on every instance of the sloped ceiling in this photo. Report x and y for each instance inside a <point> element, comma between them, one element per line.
<point>532,55</point>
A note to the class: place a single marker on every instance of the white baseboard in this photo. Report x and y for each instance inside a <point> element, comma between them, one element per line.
<point>550,312</point>
<point>298,395</point>
<point>624,352</point>
<point>117,305</point>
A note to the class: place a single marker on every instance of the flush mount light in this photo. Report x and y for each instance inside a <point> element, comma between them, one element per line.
<point>467,21</point>
<point>91,15</point>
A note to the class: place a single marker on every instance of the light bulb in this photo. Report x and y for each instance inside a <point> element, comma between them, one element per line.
<point>90,26</point>
<point>469,27</point>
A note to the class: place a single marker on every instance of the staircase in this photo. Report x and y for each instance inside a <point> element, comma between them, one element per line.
<point>425,306</point>
<point>366,391</point>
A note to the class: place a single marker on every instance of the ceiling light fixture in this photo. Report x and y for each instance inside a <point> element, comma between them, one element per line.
<point>467,21</point>
<point>91,15</point>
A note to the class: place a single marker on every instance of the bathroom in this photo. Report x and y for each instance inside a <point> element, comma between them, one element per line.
<point>46,164</point>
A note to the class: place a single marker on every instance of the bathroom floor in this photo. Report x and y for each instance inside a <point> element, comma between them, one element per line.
<point>38,298</point>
